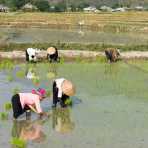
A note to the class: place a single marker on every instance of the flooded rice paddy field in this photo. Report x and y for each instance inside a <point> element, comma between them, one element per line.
<point>77,35</point>
<point>110,108</point>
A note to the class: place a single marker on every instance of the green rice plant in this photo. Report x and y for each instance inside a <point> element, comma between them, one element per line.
<point>8,106</point>
<point>6,64</point>
<point>79,59</point>
<point>48,93</point>
<point>50,75</point>
<point>101,59</point>
<point>68,102</point>
<point>20,74</point>
<point>16,90</point>
<point>62,60</point>
<point>4,116</point>
<point>20,143</point>
<point>10,78</point>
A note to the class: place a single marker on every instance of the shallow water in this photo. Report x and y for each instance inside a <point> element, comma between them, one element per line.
<point>110,107</point>
<point>78,35</point>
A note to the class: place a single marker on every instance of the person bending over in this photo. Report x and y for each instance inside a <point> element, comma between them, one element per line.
<point>24,102</point>
<point>62,90</point>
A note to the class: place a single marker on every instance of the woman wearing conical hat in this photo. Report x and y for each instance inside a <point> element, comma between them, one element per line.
<point>52,54</point>
<point>62,90</point>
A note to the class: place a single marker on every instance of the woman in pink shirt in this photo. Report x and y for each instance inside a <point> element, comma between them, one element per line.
<point>23,102</point>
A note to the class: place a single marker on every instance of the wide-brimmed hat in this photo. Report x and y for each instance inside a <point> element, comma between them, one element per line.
<point>51,50</point>
<point>68,88</point>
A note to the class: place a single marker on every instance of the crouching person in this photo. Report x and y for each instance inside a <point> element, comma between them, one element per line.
<point>52,54</point>
<point>62,90</point>
<point>112,54</point>
<point>25,102</point>
<point>31,54</point>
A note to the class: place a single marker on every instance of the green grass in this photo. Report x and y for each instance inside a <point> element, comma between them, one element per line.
<point>18,142</point>
<point>67,46</point>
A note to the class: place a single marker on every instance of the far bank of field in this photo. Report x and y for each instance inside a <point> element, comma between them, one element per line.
<point>116,22</point>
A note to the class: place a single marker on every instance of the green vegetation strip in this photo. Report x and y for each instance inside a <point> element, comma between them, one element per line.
<point>72,46</point>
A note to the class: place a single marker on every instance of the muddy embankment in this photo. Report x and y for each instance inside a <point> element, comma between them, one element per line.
<point>75,54</point>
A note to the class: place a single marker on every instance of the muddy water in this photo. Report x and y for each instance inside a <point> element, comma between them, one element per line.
<point>78,35</point>
<point>110,107</point>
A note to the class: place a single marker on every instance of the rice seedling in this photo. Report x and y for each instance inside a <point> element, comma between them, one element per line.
<point>3,115</point>
<point>101,59</point>
<point>62,60</point>
<point>48,93</point>
<point>16,90</point>
<point>10,78</point>
<point>68,102</point>
<point>8,106</point>
<point>50,75</point>
<point>20,74</point>
<point>20,143</point>
<point>79,59</point>
<point>7,65</point>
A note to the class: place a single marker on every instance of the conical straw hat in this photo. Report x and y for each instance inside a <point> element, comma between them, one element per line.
<point>51,50</point>
<point>68,88</point>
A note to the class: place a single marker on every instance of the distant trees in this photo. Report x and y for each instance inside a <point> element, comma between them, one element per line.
<point>60,7</point>
<point>42,5</point>
<point>70,5</point>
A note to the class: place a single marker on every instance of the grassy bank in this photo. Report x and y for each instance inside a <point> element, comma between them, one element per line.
<point>71,46</point>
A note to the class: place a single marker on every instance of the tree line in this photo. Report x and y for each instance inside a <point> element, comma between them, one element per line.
<point>63,5</point>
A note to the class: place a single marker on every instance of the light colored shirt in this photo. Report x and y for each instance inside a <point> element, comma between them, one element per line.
<point>32,52</point>
<point>30,99</point>
<point>59,86</point>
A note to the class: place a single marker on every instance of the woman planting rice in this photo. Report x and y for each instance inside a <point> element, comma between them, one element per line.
<point>24,102</point>
<point>62,90</point>
<point>52,54</point>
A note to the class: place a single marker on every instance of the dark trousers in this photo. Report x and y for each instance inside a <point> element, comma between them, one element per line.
<point>109,55</point>
<point>55,96</point>
<point>17,107</point>
<point>27,56</point>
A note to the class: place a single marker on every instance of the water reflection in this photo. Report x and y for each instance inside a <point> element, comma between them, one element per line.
<point>31,72</point>
<point>61,120</point>
<point>28,130</point>
<point>37,71</point>
<point>52,71</point>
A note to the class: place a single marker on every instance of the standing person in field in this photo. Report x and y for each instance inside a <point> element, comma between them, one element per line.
<point>112,54</point>
<point>52,54</point>
<point>62,90</point>
<point>24,102</point>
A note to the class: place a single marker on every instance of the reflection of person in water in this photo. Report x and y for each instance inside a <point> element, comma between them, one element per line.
<point>31,72</point>
<point>52,71</point>
<point>28,130</point>
<point>61,120</point>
